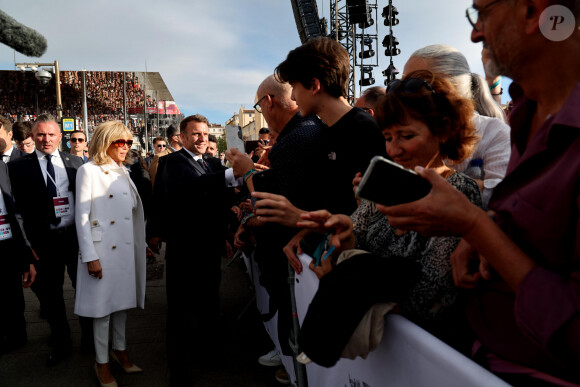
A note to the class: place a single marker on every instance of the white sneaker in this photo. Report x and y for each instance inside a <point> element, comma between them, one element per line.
<point>271,359</point>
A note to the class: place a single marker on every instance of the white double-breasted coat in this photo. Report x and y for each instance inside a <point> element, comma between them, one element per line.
<point>111,228</point>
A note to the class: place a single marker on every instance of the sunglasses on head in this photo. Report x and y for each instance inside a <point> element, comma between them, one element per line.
<point>81,140</point>
<point>121,143</point>
<point>409,86</point>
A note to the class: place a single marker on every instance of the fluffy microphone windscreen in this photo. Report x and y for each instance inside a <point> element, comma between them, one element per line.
<point>23,39</point>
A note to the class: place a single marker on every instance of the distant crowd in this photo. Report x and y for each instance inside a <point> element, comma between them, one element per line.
<point>23,98</point>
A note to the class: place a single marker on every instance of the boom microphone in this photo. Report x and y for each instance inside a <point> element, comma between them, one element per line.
<point>23,39</point>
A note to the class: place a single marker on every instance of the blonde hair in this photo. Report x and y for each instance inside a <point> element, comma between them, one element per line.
<point>105,134</point>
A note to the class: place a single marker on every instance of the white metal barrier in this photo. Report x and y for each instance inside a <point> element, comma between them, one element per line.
<point>407,355</point>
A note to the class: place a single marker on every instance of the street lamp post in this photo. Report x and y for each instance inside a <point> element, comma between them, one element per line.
<point>44,77</point>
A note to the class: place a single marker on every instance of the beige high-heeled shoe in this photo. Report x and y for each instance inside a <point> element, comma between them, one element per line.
<point>111,384</point>
<point>129,370</point>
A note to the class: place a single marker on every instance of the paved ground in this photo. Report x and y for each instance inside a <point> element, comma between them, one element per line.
<point>244,341</point>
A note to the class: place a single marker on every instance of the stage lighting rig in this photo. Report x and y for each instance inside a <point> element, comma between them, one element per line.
<point>359,11</point>
<point>390,13</point>
<point>390,73</point>
<point>390,43</point>
<point>368,52</point>
<point>366,73</point>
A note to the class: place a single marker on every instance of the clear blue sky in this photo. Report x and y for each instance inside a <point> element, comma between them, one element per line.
<point>211,54</point>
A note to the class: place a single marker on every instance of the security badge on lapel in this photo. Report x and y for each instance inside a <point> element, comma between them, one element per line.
<point>5,230</point>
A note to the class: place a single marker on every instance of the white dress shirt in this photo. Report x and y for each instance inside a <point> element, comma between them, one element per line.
<point>6,155</point>
<point>3,210</point>
<point>494,149</point>
<point>62,185</point>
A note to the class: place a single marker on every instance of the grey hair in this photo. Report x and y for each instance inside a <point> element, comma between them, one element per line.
<point>449,61</point>
<point>281,90</point>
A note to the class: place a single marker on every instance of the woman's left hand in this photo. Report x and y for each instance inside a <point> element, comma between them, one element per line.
<point>276,209</point>
<point>95,269</point>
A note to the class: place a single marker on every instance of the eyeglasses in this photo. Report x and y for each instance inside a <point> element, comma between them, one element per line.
<point>473,14</point>
<point>121,143</point>
<point>161,146</point>
<point>257,106</point>
<point>25,145</point>
<point>79,140</point>
<point>409,86</point>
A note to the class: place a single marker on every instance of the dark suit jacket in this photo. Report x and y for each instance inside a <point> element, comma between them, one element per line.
<point>16,154</point>
<point>31,195</point>
<point>16,251</point>
<point>200,201</point>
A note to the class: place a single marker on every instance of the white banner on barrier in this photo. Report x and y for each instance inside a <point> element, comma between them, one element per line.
<point>407,355</point>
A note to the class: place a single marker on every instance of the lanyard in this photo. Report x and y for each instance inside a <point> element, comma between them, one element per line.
<point>54,182</point>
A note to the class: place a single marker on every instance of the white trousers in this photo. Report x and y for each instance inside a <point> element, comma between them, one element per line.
<point>101,332</point>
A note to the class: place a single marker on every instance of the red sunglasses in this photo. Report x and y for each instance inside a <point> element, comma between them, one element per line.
<point>122,143</point>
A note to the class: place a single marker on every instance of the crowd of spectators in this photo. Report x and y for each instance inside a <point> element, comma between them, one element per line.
<point>22,97</point>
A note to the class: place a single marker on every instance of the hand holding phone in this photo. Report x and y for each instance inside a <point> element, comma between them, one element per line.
<point>388,183</point>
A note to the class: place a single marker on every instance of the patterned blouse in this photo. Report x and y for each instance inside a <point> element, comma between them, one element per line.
<point>434,291</point>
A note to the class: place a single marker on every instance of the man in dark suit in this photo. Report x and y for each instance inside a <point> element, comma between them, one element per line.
<point>7,150</point>
<point>195,240</point>
<point>17,270</point>
<point>43,184</point>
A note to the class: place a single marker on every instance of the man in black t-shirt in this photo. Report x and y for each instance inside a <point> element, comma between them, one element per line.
<point>318,72</point>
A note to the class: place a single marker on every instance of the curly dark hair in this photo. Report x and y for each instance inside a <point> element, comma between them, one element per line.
<point>322,58</point>
<point>447,115</point>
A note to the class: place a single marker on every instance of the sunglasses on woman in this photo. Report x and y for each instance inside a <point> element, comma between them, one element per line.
<point>409,86</point>
<point>122,143</point>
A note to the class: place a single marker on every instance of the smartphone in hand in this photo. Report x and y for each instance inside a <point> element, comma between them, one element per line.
<point>266,181</point>
<point>388,183</point>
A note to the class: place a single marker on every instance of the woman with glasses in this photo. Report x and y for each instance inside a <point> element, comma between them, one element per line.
<point>424,121</point>
<point>111,232</point>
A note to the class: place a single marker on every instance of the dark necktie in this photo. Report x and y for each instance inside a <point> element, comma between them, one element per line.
<point>50,185</point>
<point>203,166</point>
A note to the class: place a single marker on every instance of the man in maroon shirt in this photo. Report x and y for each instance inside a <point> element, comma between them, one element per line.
<point>525,307</point>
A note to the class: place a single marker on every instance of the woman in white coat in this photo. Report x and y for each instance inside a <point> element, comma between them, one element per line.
<point>111,232</point>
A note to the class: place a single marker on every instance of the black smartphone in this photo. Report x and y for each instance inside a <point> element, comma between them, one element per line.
<point>386,182</point>
<point>266,181</point>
